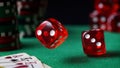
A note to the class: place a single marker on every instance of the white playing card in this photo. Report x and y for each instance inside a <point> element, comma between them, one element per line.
<point>34,63</point>
<point>14,56</point>
<point>20,66</point>
<point>31,62</point>
<point>7,59</point>
<point>21,60</point>
<point>46,66</point>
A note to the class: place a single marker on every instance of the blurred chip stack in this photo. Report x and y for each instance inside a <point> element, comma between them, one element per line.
<point>9,39</point>
<point>42,10</point>
<point>104,10</point>
<point>30,13</point>
<point>26,16</point>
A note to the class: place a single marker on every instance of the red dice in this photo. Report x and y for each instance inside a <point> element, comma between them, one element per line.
<point>93,42</point>
<point>98,20</point>
<point>114,23</point>
<point>51,33</point>
<point>108,6</point>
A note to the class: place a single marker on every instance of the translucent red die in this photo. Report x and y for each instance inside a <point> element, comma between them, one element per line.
<point>51,33</point>
<point>98,20</point>
<point>93,42</point>
<point>114,23</point>
<point>107,5</point>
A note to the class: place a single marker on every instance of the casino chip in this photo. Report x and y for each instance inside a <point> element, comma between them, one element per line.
<point>26,17</point>
<point>9,36</point>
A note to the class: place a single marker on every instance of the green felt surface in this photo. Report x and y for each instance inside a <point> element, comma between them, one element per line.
<point>70,54</point>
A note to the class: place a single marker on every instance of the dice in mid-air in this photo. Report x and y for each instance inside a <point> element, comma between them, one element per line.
<point>108,6</point>
<point>114,23</point>
<point>93,42</point>
<point>51,33</point>
<point>98,20</point>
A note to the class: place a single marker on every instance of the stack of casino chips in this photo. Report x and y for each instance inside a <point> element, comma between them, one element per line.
<point>26,17</point>
<point>9,39</point>
<point>42,10</point>
<point>104,9</point>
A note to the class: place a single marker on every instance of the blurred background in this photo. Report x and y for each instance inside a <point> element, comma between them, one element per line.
<point>33,12</point>
<point>70,11</point>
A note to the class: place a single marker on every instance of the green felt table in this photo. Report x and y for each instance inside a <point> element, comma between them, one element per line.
<point>70,54</point>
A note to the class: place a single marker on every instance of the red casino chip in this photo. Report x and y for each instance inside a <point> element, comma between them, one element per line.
<point>7,19</point>
<point>6,40</point>
<point>23,12</point>
<point>7,37</point>
<point>11,46</point>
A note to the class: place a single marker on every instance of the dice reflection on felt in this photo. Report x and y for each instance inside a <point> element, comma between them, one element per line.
<point>93,42</point>
<point>51,33</point>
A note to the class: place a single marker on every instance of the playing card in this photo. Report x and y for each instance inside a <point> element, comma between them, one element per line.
<point>21,60</point>
<point>37,63</point>
<point>20,66</point>
<point>13,57</point>
<point>27,62</point>
<point>34,63</point>
<point>43,64</point>
<point>46,66</point>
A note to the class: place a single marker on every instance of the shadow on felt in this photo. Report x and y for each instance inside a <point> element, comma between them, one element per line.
<point>109,54</point>
<point>76,59</point>
<point>113,54</point>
